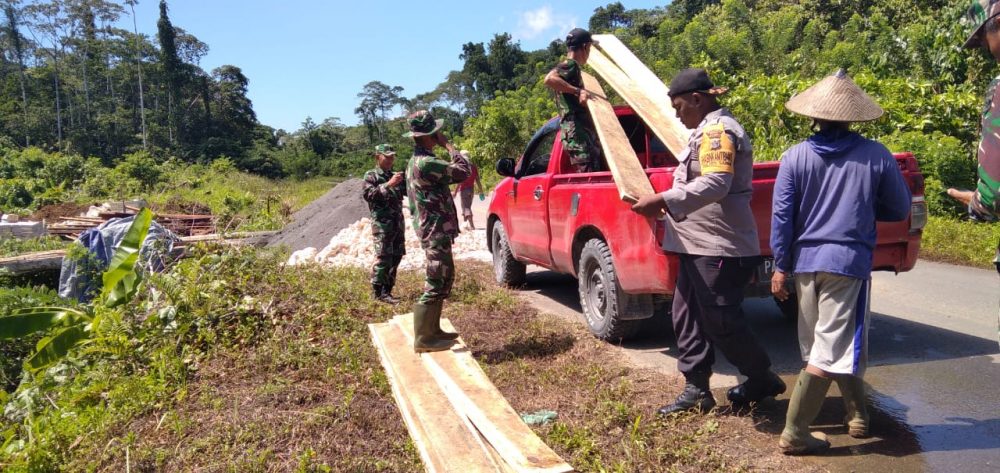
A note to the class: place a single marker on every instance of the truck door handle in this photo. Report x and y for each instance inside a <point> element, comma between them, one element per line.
<point>538,193</point>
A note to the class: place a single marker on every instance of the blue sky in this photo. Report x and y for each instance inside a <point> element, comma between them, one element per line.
<point>312,57</point>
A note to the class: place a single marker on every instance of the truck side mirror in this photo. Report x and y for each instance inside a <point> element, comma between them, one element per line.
<point>505,167</point>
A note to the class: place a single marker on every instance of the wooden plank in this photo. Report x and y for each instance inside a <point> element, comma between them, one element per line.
<point>658,114</point>
<point>473,394</point>
<point>614,49</point>
<point>626,170</point>
<point>444,442</point>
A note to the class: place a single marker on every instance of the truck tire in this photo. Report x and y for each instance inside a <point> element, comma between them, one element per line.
<point>604,303</point>
<point>789,308</point>
<point>507,269</point>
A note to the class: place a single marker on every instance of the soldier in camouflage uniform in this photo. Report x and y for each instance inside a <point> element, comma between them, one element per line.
<point>435,222</point>
<point>576,125</point>
<point>983,19</point>
<point>384,190</point>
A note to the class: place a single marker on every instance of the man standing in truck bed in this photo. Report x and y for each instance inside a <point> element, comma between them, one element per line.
<point>577,127</point>
<point>712,230</point>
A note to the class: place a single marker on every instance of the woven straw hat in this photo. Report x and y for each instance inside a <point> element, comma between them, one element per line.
<point>837,99</point>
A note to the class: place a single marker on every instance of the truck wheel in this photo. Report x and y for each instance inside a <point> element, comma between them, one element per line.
<point>507,269</point>
<point>789,308</point>
<point>602,299</point>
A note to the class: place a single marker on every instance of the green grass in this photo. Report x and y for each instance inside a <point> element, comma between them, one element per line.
<point>960,241</point>
<point>15,246</point>
<point>242,201</point>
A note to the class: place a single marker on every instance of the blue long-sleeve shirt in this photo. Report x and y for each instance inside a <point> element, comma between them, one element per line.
<point>829,192</point>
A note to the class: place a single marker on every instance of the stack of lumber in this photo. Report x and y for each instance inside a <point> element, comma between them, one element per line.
<point>51,260</point>
<point>181,224</point>
<point>647,95</point>
<point>457,419</point>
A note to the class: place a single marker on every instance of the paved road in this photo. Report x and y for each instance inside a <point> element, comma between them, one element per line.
<point>934,372</point>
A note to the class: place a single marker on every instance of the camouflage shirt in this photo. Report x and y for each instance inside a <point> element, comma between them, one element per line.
<point>569,104</point>
<point>431,204</point>
<point>986,203</point>
<point>384,202</point>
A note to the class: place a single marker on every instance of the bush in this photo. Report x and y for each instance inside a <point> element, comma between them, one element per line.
<point>944,161</point>
<point>141,167</point>
<point>960,241</point>
<point>14,195</point>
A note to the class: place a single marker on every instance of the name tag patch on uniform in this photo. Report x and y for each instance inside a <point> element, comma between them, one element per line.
<point>717,150</point>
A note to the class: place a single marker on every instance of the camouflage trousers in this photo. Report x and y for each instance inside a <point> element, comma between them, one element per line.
<point>440,270</point>
<point>389,251</point>
<point>578,140</point>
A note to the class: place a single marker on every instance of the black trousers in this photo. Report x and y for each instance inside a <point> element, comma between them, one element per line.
<point>707,313</point>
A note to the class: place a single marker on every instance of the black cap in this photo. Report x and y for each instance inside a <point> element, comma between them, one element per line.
<point>578,37</point>
<point>693,80</point>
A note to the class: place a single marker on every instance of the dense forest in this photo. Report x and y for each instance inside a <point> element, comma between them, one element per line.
<point>87,102</point>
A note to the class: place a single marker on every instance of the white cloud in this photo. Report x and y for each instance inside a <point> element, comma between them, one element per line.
<point>532,24</point>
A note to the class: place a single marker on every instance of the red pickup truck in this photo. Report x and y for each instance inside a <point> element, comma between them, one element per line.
<point>546,214</point>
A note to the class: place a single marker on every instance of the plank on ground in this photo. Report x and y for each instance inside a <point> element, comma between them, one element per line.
<point>626,170</point>
<point>444,442</point>
<point>658,114</point>
<point>473,394</point>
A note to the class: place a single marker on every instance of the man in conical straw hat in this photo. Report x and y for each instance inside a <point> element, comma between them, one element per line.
<point>830,190</point>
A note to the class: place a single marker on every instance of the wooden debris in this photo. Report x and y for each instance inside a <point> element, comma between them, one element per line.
<point>627,171</point>
<point>51,260</point>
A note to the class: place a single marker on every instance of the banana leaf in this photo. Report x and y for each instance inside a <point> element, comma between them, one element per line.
<point>37,319</point>
<point>54,348</point>
<point>121,278</point>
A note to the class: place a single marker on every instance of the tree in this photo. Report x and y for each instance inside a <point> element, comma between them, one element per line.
<point>172,69</point>
<point>609,18</point>
<point>377,101</point>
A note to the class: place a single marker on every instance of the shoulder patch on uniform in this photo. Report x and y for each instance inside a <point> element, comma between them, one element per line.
<point>717,150</point>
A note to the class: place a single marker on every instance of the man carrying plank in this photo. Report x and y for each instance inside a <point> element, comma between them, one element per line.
<point>576,124</point>
<point>712,230</point>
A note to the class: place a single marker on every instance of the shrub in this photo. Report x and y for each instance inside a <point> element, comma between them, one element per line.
<point>141,167</point>
<point>14,194</point>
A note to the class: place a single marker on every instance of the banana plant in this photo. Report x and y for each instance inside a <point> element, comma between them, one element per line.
<point>72,326</point>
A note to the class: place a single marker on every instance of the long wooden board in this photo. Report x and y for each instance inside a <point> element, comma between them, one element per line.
<point>442,438</point>
<point>625,168</point>
<point>614,49</point>
<point>658,114</point>
<point>473,394</point>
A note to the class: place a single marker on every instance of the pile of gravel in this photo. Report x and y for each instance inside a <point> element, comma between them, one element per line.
<point>318,222</point>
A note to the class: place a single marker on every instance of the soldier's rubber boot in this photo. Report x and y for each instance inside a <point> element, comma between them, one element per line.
<point>804,405</point>
<point>423,332</point>
<point>852,389</point>
<point>696,396</point>
<point>434,313</point>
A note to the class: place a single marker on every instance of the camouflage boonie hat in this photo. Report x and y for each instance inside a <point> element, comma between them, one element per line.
<point>385,149</point>
<point>975,19</point>
<point>422,123</point>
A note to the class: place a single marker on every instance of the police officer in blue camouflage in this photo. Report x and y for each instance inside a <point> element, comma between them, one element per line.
<point>435,221</point>
<point>383,191</point>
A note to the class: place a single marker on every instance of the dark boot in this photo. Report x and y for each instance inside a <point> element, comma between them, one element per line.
<point>804,405</point>
<point>387,296</point>
<point>756,389</point>
<point>376,291</point>
<point>852,389</point>
<point>696,397</point>
<point>434,313</point>
<point>423,331</point>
